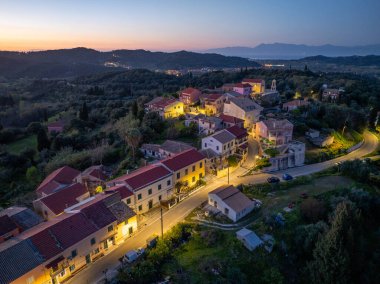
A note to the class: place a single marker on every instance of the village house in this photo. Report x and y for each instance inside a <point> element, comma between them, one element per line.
<point>228,142</point>
<point>57,180</point>
<point>231,202</point>
<point>228,121</point>
<point>294,104</point>
<point>258,85</point>
<point>165,107</point>
<point>331,95</point>
<point>206,124</point>
<point>56,127</point>
<point>212,103</point>
<point>54,204</point>
<point>14,220</point>
<point>227,87</point>
<point>149,185</point>
<point>212,159</point>
<point>53,251</point>
<point>243,89</point>
<point>93,177</point>
<point>187,167</point>
<point>166,149</point>
<point>278,132</point>
<point>189,96</point>
<point>244,108</point>
<point>290,155</point>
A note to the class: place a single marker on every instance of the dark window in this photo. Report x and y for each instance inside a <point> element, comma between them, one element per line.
<point>159,197</point>
<point>140,207</point>
<point>149,191</point>
<point>92,241</point>
<point>193,168</point>
<point>128,201</point>
<point>74,253</point>
<point>193,179</point>
<point>139,196</point>
<point>200,175</point>
<point>159,186</point>
<point>110,228</point>
<point>178,175</point>
<point>200,165</point>
<point>72,268</point>
<point>186,172</point>
<point>168,182</point>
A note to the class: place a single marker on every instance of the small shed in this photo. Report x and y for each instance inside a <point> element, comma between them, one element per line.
<point>250,240</point>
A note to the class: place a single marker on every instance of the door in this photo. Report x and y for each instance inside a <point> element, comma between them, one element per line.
<point>130,230</point>
<point>88,259</point>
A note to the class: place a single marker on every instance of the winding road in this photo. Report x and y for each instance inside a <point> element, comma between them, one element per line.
<point>94,273</point>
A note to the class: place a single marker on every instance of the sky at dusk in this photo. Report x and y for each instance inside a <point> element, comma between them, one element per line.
<point>178,24</point>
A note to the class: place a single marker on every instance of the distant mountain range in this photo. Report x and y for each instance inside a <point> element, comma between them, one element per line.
<point>64,63</point>
<point>295,51</point>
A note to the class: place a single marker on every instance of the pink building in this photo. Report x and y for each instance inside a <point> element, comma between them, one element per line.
<point>279,132</point>
<point>189,96</point>
<point>56,126</point>
<point>244,89</point>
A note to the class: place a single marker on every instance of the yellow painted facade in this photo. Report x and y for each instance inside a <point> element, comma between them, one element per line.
<point>174,110</point>
<point>191,174</point>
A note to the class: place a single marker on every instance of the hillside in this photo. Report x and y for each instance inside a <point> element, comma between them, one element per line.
<point>66,63</point>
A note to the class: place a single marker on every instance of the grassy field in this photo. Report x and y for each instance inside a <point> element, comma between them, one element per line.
<point>337,148</point>
<point>18,146</point>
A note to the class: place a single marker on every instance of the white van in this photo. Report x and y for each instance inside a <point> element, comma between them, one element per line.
<point>130,256</point>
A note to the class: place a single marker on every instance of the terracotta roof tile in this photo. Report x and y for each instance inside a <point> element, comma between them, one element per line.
<point>183,159</point>
<point>61,176</point>
<point>66,197</point>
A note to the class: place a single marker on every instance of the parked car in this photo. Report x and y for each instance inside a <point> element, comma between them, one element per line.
<point>130,256</point>
<point>151,241</point>
<point>273,179</point>
<point>140,251</point>
<point>304,195</point>
<point>287,177</point>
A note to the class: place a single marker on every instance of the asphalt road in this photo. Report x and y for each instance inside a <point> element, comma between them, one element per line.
<point>94,272</point>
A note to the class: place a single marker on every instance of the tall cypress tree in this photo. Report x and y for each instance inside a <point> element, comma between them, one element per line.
<point>83,113</point>
<point>42,140</point>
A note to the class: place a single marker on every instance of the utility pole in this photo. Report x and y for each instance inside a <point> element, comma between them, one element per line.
<point>162,225</point>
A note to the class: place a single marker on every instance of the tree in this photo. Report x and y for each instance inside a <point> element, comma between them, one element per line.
<point>83,113</point>
<point>133,138</point>
<point>42,140</point>
<point>34,127</point>
<point>135,109</point>
<point>32,175</point>
<point>331,259</point>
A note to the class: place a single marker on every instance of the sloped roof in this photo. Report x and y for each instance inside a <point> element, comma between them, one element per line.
<point>232,197</point>
<point>96,172</point>
<point>6,225</point>
<point>161,102</point>
<point>231,119</point>
<point>223,136</point>
<point>57,179</point>
<point>253,80</point>
<point>190,91</point>
<point>209,153</point>
<point>22,216</point>
<point>237,131</point>
<point>61,235</point>
<point>246,104</point>
<point>241,85</point>
<point>66,197</point>
<point>122,189</point>
<point>99,214</point>
<point>274,124</point>
<point>144,176</point>
<point>17,260</point>
<point>183,160</point>
<point>175,146</point>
